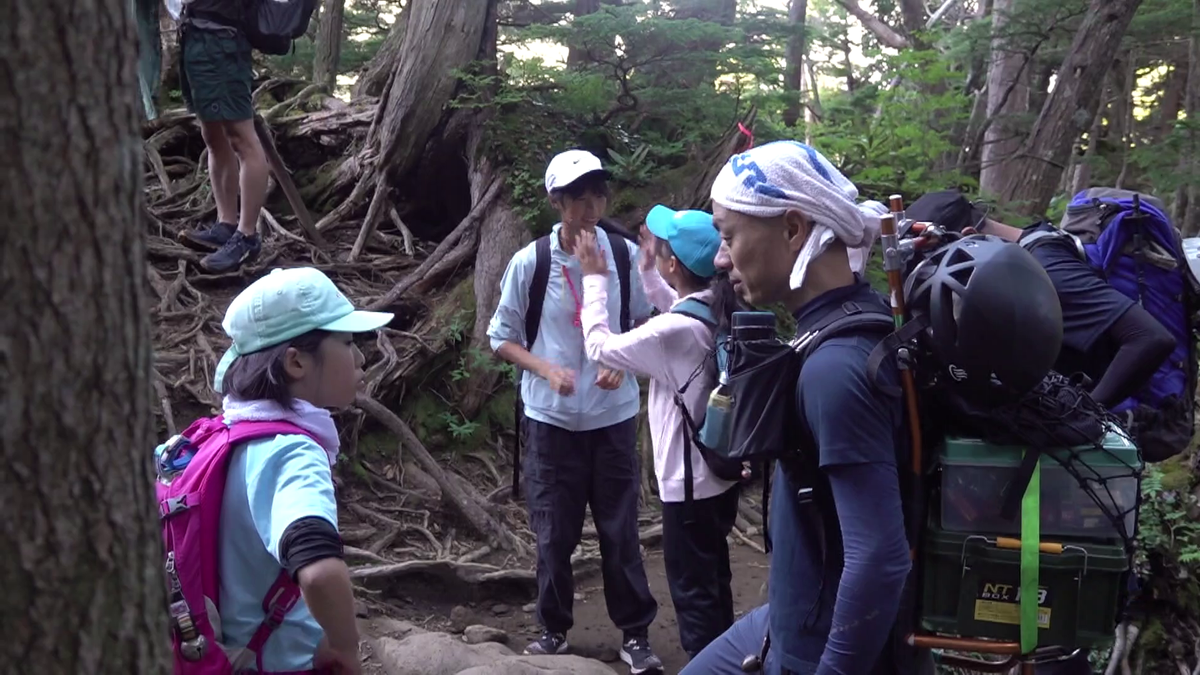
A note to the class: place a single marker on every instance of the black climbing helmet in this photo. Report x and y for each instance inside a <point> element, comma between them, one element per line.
<point>992,318</point>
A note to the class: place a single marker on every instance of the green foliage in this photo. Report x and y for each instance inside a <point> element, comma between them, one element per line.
<point>1167,526</point>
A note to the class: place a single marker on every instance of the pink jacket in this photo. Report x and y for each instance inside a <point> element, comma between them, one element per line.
<point>666,348</point>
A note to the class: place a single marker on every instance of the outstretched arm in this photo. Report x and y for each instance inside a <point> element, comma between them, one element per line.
<point>640,350</point>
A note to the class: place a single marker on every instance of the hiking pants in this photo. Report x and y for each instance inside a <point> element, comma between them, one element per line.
<point>697,561</point>
<point>566,471</point>
<point>724,655</point>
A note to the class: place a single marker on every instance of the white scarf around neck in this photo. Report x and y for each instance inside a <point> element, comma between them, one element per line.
<point>314,420</point>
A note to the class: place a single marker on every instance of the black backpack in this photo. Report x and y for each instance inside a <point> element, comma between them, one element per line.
<point>272,25</point>
<point>533,314</point>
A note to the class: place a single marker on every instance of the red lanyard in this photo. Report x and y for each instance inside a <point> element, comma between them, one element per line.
<point>574,294</point>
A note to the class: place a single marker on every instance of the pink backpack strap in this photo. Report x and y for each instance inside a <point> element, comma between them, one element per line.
<point>280,599</point>
<point>241,432</point>
<point>283,595</point>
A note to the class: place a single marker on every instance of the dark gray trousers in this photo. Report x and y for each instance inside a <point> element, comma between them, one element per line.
<point>566,471</point>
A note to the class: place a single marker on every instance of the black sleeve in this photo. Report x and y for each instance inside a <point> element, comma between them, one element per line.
<point>1090,305</point>
<point>307,541</point>
<point>1142,345</point>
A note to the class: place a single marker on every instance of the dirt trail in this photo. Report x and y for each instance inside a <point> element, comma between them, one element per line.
<point>594,635</point>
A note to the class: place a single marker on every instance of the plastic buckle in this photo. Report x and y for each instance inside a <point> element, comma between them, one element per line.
<point>805,495</point>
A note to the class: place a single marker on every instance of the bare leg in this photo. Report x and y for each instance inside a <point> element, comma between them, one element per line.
<point>254,173</point>
<point>222,169</point>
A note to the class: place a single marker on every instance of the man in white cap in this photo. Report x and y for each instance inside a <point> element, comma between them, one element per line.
<point>793,234</point>
<point>579,427</point>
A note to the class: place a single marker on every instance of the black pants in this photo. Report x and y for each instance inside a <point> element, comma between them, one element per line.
<point>697,561</point>
<point>566,471</point>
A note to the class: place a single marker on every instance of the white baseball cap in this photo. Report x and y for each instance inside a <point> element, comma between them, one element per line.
<point>568,167</point>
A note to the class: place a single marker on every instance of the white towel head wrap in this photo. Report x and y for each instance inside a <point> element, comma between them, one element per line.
<point>767,181</point>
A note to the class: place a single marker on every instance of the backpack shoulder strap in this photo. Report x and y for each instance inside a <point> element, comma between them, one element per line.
<point>241,432</point>
<point>696,309</point>
<point>620,251</point>
<point>537,289</point>
<point>1036,239</point>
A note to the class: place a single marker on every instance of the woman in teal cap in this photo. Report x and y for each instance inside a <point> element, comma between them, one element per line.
<point>292,359</point>
<point>675,348</point>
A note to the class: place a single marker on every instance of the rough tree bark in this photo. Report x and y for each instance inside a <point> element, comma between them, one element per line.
<point>328,50</point>
<point>375,74</point>
<point>793,77</point>
<point>1032,176</point>
<point>83,586</point>
<point>442,37</point>
<point>1007,97</point>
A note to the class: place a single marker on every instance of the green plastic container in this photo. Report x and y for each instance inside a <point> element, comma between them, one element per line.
<point>975,475</point>
<point>970,588</point>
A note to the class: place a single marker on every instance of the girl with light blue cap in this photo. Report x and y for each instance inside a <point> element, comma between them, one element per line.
<point>675,350</point>
<point>292,359</point>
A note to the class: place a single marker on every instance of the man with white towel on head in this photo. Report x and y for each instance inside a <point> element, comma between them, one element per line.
<point>792,233</point>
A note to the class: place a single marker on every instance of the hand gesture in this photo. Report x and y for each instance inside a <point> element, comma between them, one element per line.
<point>647,244</point>
<point>562,380</point>
<point>591,259</point>
<point>609,379</point>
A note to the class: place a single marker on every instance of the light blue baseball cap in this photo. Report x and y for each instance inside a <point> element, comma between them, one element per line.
<point>691,235</point>
<point>285,304</point>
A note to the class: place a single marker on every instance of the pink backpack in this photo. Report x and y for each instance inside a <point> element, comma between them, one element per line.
<point>191,485</point>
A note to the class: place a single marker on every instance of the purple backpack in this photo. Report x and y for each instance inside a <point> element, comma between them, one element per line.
<point>1127,237</point>
<point>190,489</point>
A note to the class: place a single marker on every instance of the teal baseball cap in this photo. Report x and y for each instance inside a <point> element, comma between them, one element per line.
<point>691,235</point>
<point>285,304</point>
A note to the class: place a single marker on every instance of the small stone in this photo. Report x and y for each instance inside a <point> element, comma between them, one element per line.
<point>360,609</point>
<point>460,618</point>
<point>500,609</point>
<point>579,596</point>
<point>478,634</point>
<point>530,608</point>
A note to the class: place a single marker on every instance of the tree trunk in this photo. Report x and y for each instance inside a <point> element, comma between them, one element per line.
<point>793,77</point>
<point>374,76</point>
<point>443,37</point>
<point>1172,100</point>
<point>1032,177</point>
<point>1188,218</point>
<point>577,54</point>
<point>1007,99</point>
<point>328,49</point>
<point>82,577</point>
<point>1083,168</point>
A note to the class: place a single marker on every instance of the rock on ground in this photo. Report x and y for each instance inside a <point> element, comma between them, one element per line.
<point>478,634</point>
<point>444,654</point>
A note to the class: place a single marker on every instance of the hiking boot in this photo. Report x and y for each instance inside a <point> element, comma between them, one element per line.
<point>238,250</point>
<point>548,643</point>
<point>637,655</point>
<point>208,238</point>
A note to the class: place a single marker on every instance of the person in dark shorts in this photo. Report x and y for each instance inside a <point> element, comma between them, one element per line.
<point>215,75</point>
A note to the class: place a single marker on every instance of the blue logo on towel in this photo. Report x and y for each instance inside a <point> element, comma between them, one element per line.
<point>755,179</point>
